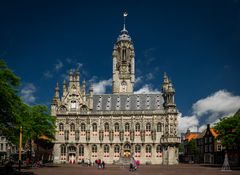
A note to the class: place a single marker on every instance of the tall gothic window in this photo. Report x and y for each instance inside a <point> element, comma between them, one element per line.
<point>148,149</point>
<point>81,150</point>
<point>137,127</point>
<point>116,149</point>
<point>124,86</point>
<point>94,148</point>
<point>116,127</point>
<point>61,127</point>
<point>63,150</point>
<point>159,149</point>
<point>148,127</point>
<point>72,127</point>
<point>106,149</point>
<point>124,54</point>
<point>127,127</point>
<point>94,127</point>
<point>106,127</point>
<point>83,127</point>
<point>159,127</point>
<point>137,149</point>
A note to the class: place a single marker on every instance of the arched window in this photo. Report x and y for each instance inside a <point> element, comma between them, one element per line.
<point>61,127</point>
<point>72,127</point>
<point>81,150</point>
<point>106,127</point>
<point>127,127</point>
<point>148,127</point>
<point>116,149</point>
<point>116,127</point>
<point>63,150</point>
<point>137,127</point>
<point>83,127</point>
<point>127,146</point>
<point>71,149</point>
<point>94,149</point>
<point>106,149</point>
<point>159,149</point>
<point>148,149</point>
<point>94,127</point>
<point>124,86</point>
<point>159,127</point>
<point>137,149</point>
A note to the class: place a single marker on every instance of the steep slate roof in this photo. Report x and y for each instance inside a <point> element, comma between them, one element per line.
<point>214,133</point>
<point>128,102</point>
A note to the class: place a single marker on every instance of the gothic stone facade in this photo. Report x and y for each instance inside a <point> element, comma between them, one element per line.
<point>109,126</point>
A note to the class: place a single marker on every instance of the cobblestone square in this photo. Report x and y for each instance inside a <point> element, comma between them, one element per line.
<point>182,169</point>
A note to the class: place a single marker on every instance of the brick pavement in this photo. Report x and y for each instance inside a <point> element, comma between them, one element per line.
<point>183,169</point>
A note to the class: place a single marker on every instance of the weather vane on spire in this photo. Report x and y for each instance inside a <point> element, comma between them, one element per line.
<point>125,14</point>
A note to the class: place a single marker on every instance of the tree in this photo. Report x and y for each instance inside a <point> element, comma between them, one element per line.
<point>229,130</point>
<point>192,145</point>
<point>35,120</point>
<point>11,104</point>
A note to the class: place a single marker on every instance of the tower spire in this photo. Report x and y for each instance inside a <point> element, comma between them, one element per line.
<point>125,14</point>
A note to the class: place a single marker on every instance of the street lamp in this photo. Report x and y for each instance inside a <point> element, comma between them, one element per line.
<point>20,149</point>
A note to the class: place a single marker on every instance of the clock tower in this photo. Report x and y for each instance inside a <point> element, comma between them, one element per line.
<point>123,63</point>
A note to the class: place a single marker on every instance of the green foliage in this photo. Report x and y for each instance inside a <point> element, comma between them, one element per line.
<point>11,104</point>
<point>181,147</point>
<point>35,120</point>
<point>192,145</point>
<point>229,130</point>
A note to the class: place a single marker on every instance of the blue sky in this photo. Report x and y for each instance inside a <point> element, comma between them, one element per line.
<point>196,42</point>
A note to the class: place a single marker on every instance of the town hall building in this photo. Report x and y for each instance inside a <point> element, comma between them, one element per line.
<point>121,124</point>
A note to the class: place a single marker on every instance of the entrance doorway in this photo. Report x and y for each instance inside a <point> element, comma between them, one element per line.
<point>127,150</point>
<point>72,158</point>
<point>72,154</point>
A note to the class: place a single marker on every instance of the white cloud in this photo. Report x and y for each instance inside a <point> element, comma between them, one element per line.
<point>100,87</point>
<point>47,74</point>
<point>68,60</point>
<point>149,55</point>
<point>221,102</point>
<point>187,122</point>
<point>210,109</point>
<point>93,79</point>
<point>27,93</point>
<point>59,65</point>
<point>149,76</point>
<point>79,65</point>
<point>138,80</point>
<point>147,89</point>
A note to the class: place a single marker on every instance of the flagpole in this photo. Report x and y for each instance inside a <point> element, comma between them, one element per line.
<point>125,14</point>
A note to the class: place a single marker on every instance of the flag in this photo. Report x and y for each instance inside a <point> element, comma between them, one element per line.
<point>125,14</point>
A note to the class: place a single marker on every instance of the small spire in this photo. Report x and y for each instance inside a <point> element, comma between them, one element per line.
<point>84,83</point>
<point>170,87</point>
<point>57,91</point>
<point>57,87</point>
